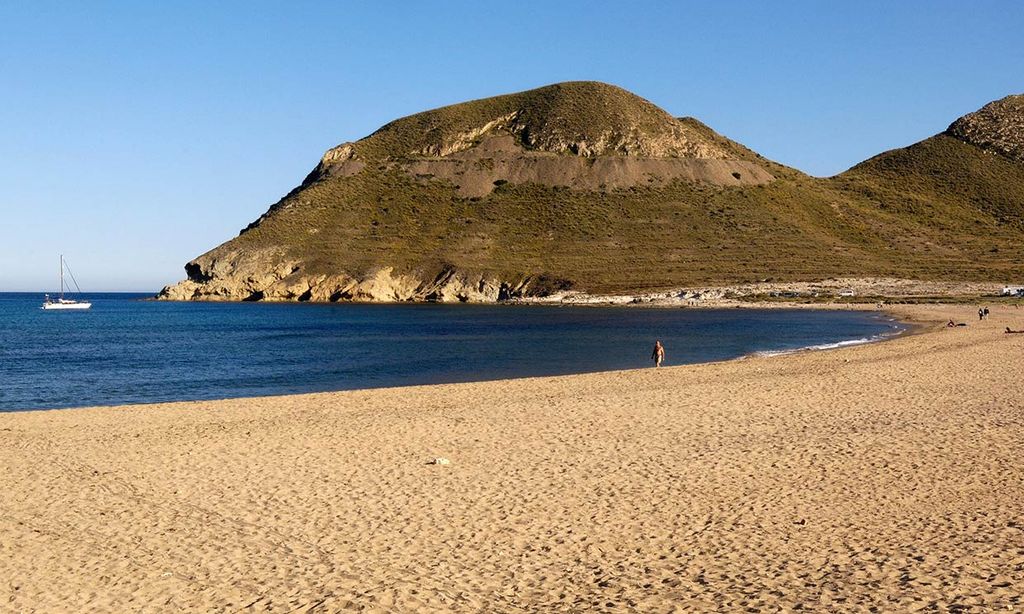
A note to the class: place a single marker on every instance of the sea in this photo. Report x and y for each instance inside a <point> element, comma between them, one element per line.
<point>128,349</point>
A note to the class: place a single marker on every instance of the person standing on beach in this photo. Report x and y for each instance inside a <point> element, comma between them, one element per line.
<point>659,353</point>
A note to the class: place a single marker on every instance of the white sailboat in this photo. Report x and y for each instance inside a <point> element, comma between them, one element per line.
<point>61,302</point>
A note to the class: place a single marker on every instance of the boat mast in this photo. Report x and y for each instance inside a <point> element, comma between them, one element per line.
<point>62,276</point>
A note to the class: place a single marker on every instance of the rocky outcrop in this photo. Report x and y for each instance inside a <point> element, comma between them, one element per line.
<point>497,160</point>
<point>997,126</point>
<point>465,140</point>
<point>340,161</point>
<point>238,276</point>
<point>673,139</point>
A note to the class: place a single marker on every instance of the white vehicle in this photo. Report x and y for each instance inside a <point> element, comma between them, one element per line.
<point>61,302</point>
<point>1013,291</point>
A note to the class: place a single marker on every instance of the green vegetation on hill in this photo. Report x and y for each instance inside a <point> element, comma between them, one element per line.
<point>638,238</point>
<point>945,179</point>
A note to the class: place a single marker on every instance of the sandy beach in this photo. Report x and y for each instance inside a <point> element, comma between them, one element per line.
<point>884,477</point>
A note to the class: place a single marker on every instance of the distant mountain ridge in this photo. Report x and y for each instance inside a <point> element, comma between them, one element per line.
<point>585,186</point>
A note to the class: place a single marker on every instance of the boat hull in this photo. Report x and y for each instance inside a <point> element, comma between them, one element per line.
<point>66,306</point>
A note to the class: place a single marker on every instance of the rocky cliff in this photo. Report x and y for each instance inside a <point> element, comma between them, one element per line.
<point>255,275</point>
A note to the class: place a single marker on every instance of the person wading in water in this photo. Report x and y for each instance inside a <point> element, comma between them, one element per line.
<point>659,353</point>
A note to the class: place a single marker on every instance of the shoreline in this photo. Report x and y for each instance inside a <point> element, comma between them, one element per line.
<point>886,476</point>
<point>385,290</point>
<point>908,328</point>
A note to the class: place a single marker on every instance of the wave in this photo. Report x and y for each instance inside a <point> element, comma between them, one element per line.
<point>830,346</point>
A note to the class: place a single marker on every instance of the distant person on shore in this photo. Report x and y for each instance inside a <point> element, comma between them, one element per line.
<point>658,354</point>
<point>986,313</point>
<point>981,314</point>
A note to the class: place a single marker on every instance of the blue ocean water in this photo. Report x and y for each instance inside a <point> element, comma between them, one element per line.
<point>130,350</point>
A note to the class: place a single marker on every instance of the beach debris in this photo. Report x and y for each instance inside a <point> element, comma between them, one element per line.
<point>440,461</point>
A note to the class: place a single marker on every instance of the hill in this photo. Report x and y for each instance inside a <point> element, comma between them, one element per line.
<point>957,196</point>
<point>586,186</point>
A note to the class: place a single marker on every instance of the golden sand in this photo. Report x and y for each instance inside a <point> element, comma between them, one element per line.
<point>888,475</point>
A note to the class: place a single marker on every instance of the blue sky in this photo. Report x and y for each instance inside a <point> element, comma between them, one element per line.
<point>135,136</point>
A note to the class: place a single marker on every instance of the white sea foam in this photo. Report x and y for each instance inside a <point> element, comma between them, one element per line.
<point>830,346</point>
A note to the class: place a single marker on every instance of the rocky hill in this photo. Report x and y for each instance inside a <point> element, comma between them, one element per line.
<point>588,187</point>
<point>966,183</point>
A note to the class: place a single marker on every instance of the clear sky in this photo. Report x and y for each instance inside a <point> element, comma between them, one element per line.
<point>136,135</point>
